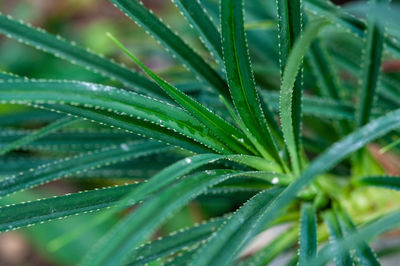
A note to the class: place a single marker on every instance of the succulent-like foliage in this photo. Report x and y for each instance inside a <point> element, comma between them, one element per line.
<point>290,150</point>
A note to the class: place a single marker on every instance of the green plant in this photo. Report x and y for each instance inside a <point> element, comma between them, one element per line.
<point>310,171</point>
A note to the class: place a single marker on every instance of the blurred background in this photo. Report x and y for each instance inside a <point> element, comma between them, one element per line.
<point>64,242</point>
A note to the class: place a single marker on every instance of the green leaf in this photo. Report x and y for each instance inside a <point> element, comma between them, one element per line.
<point>289,29</point>
<point>289,78</point>
<point>75,54</point>
<point>366,233</point>
<point>365,255</point>
<point>241,81</point>
<point>139,225</point>
<point>219,127</point>
<point>390,182</point>
<point>371,65</point>
<point>79,163</point>
<point>390,146</point>
<point>174,242</point>
<point>290,26</point>
<point>146,19</point>
<point>63,122</point>
<point>38,211</point>
<point>128,105</point>
<point>336,233</point>
<point>308,234</point>
<point>223,246</point>
<point>197,16</point>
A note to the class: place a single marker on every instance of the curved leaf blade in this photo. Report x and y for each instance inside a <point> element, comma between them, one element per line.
<point>287,88</point>
<point>290,24</point>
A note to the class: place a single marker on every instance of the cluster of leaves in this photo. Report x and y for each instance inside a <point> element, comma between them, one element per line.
<point>220,138</point>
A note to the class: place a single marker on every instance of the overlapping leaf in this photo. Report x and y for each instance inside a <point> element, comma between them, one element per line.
<point>145,18</point>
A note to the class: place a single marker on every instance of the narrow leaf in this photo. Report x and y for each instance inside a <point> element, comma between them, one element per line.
<point>289,29</point>
<point>308,234</point>
<point>371,65</point>
<point>289,78</point>
<point>390,182</point>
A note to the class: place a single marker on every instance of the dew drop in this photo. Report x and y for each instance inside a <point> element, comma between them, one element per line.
<point>275,180</point>
<point>124,147</point>
<point>188,160</point>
